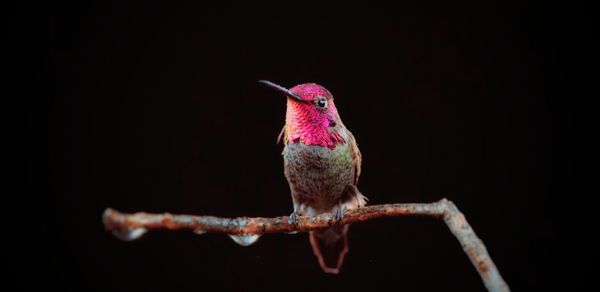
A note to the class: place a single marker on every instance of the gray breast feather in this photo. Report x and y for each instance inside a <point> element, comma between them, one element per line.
<point>318,175</point>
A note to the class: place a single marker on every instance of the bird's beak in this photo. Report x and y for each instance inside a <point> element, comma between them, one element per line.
<point>281,89</point>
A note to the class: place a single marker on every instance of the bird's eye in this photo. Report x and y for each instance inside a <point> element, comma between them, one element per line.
<point>322,102</point>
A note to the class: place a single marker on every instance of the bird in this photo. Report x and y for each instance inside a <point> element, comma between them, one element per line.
<point>322,164</point>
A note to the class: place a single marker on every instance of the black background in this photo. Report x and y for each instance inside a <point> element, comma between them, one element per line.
<point>157,108</point>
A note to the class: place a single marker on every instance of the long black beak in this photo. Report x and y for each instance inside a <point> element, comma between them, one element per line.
<point>281,89</point>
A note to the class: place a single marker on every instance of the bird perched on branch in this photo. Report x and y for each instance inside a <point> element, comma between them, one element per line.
<point>322,166</point>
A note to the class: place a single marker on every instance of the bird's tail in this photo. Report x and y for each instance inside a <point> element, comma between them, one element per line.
<point>330,245</point>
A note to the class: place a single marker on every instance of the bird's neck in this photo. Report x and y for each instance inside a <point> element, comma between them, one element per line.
<point>313,132</point>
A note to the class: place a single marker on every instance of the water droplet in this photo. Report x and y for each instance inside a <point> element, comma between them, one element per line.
<point>245,240</point>
<point>199,231</point>
<point>129,234</point>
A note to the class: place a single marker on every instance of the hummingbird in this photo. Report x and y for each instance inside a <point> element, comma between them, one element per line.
<point>322,164</point>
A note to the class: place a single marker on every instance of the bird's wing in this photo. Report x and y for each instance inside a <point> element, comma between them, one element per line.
<point>356,156</point>
<point>282,136</point>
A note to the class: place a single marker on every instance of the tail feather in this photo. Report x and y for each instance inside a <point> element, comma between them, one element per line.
<point>330,246</point>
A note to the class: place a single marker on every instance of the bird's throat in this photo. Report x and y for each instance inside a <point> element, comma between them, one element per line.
<point>307,125</point>
<point>313,135</point>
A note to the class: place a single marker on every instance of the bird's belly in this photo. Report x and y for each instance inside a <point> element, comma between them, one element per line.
<point>318,175</point>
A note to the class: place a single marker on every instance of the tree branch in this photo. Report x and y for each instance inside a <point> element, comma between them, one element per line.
<point>133,226</point>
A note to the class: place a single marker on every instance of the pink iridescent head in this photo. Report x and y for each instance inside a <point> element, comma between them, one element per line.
<point>311,115</point>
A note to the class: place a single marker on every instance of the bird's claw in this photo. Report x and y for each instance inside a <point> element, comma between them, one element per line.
<point>339,214</point>
<point>293,219</point>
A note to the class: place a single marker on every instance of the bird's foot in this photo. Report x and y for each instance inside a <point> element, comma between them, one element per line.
<point>339,214</point>
<point>293,218</point>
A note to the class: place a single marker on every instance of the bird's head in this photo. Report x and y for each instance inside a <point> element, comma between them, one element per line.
<point>311,113</point>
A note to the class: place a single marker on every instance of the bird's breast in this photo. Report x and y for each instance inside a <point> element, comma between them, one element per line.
<point>318,175</point>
